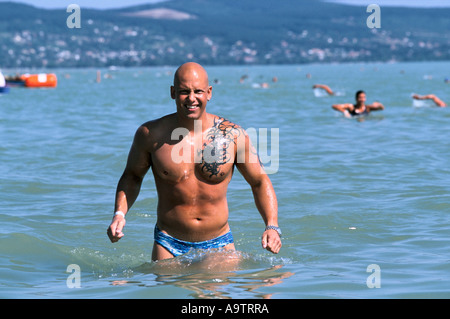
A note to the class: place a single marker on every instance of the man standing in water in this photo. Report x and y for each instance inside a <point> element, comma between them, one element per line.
<point>192,173</point>
<point>360,108</point>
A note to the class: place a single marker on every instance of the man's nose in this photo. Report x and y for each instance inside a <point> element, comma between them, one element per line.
<point>191,96</point>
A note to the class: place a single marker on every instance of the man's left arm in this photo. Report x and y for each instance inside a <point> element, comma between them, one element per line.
<point>249,165</point>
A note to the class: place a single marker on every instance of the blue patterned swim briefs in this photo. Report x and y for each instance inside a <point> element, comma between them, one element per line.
<point>179,247</point>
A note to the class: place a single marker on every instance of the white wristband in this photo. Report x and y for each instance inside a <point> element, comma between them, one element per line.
<point>119,213</point>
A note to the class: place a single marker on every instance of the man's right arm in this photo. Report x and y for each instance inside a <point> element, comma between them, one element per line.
<point>128,188</point>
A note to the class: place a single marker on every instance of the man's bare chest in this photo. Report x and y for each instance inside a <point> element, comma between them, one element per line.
<point>209,156</point>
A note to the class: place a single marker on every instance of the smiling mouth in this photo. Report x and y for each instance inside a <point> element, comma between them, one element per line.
<point>191,107</point>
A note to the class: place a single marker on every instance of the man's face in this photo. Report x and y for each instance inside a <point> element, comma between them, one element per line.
<point>191,94</point>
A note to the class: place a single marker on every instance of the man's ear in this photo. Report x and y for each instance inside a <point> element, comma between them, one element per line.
<point>209,92</point>
<point>172,92</point>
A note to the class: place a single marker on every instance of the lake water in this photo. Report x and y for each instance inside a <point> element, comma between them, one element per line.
<point>364,205</point>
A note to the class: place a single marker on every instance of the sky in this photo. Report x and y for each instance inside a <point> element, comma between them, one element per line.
<point>109,4</point>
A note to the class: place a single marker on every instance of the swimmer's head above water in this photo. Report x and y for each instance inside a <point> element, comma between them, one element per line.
<point>360,98</point>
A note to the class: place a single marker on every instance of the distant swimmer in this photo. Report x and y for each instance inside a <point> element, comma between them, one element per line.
<point>360,108</point>
<point>325,87</point>
<point>243,78</point>
<point>432,97</point>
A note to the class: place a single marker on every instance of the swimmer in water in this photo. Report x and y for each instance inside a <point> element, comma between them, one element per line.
<point>360,108</point>
<point>432,97</point>
<point>325,87</point>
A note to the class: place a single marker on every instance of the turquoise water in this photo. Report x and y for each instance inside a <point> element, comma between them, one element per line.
<point>351,193</point>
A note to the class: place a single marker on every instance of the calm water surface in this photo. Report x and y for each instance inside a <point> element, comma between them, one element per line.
<point>352,193</point>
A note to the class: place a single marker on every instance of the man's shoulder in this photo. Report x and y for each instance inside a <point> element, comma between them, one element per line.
<point>154,129</point>
<point>223,124</point>
<point>226,128</point>
<point>156,124</point>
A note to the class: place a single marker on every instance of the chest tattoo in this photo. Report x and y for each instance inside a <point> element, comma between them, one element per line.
<point>219,146</point>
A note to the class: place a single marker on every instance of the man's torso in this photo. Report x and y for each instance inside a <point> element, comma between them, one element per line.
<point>192,173</point>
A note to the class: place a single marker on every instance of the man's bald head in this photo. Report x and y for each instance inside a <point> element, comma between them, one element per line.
<point>191,90</point>
<point>190,70</point>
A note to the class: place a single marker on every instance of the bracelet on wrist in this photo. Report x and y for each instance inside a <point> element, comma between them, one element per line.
<point>119,213</point>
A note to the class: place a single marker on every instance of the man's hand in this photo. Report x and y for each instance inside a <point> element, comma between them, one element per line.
<point>115,229</point>
<point>271,241</point>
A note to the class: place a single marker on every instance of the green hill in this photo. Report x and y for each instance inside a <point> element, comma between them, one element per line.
<point>220,32</point>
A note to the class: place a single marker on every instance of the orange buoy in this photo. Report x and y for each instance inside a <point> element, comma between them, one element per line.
<point>40,80</point>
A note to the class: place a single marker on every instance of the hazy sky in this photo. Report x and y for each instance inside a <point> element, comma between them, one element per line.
<point>107,4</point>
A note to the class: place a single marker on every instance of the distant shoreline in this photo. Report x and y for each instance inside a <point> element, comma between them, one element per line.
<point>113,68</point>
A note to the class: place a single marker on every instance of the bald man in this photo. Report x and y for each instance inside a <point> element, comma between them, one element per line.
<point>192,155</point>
